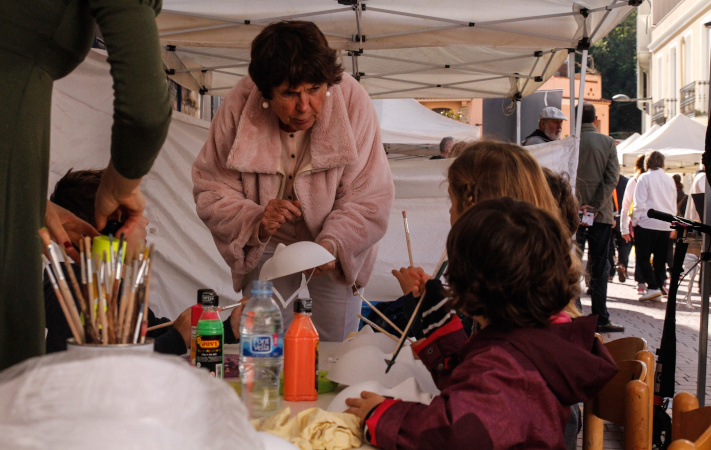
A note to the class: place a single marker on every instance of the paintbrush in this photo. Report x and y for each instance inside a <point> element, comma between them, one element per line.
<point>101,303</point>
<point>378,328</point>
<point>407,237</point>
<point>60,298</point>
<point>378,312</point>
<point>62,282</point>
<point>147,287</point>
<point>441,266</point>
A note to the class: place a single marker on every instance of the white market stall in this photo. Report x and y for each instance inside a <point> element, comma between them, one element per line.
<point>681,140</point>
<point>407,121</point>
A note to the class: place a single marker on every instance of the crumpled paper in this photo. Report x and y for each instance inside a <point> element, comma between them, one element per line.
<point>314,429</point>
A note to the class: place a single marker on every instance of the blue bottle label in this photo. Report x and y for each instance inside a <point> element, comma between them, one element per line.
<point>263,346</point>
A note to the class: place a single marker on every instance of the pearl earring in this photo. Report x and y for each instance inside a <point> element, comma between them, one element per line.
<point>328,93</point>
<point>265,105</point>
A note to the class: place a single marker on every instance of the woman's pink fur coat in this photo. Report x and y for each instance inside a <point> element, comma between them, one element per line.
<point>345,194</point>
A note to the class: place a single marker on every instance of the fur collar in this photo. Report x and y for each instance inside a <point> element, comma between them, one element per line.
<point>257,147</point>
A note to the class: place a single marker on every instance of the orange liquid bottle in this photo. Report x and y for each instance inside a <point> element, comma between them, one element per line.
<point>301,356</point>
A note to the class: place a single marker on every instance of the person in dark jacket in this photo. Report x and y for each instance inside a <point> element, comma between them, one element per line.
<point>511,384</point>
<point>76,192</point>
<point>550,126</point>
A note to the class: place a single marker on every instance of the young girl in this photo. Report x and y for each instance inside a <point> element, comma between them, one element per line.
<point>512,383</point>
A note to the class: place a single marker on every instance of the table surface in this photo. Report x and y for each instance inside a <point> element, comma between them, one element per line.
<point>326,349</point>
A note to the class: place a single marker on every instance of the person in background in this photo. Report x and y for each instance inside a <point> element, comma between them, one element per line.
<point>681,197</point>
<point>598,170</point>
<point>655,190</point>
<point>550,126</point>
<point>512,270</point>
<point>76,192</point>
<point>626,216</point>
<point>294,154</point>
<point>445,145</point>
<point>698,186</point>
<point>43,41</point>
<point>458,148</point>
<point>618,243</point>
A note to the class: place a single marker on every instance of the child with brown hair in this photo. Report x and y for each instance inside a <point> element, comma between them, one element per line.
<point>512,383</point>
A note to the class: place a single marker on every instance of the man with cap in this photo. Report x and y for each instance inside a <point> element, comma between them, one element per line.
<point>550,125</point>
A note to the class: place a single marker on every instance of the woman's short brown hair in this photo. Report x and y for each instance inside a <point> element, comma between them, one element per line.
<point>511,263</point>
<point>492,169</point>
<point>293,51</point>
<point>653,160</point>
<point>639,163</point>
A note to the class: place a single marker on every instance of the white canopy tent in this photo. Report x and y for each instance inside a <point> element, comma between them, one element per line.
<point>406,121</point>
<point>633,137</point>
<point>396,48</point>
<point>681,140</point>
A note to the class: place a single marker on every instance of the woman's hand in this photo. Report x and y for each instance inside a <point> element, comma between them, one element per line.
<point>324,268</point>
<point>276,213</point>
<point>66,228</point>
<point>411,279</point>
<point>119,198</point>
<point>361,406</point>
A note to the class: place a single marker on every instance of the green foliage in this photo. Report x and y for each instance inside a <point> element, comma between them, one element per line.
<point>615,58</point>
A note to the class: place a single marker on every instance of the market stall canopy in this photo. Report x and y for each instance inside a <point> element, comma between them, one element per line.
<point>624,144</point>
<point>681,141</point>
<point>406,121</point>
<point>395,48</point>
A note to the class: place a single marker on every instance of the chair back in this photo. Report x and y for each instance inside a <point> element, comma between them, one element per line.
<point>624,400</point>
<point>691,425</point>
<point>632,347</point>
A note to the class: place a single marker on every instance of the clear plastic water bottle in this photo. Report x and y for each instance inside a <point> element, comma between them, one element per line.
<point>261,351</point>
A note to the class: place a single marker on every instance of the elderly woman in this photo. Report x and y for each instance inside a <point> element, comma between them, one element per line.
<point>294,154</point>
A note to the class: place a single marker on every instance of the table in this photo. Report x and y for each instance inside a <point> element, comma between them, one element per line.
<point>326,349</point>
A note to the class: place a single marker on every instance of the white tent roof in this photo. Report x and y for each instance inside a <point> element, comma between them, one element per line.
<point>406,121</point>
<point>681,140</point>
<point>630,139</point>
<point>396,48</point>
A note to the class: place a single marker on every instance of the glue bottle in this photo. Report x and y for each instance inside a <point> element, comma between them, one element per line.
<point>195,313</point>
<point>301,355</point>
<point>210,337</point>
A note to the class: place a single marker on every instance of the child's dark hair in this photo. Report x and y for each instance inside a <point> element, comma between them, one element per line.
<point>76,192</point>
<point>511,263</point>
<point>563,194</point>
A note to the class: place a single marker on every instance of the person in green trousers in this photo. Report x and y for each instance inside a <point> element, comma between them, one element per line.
<point>42,41</point>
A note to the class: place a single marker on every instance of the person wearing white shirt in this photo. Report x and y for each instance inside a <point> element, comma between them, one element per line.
<point>626,217</point>
<point>655,190</point>
<point>697,186</point>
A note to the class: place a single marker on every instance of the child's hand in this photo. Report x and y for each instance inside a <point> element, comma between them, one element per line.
<point>361,406</point>
<point>411,279</point>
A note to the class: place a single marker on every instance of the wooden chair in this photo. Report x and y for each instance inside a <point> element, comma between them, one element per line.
<point>691,425</point>
<point>623,401</point>
<point>631,347</point>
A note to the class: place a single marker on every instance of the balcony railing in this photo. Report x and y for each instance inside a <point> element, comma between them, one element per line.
<point>694,99</point>
<point>659,113</point>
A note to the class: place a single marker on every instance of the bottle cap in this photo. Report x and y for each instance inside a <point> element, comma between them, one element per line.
<point>210,299</point>
<point>302,305</point>
<point>202,292</point>
<point>262,288</point>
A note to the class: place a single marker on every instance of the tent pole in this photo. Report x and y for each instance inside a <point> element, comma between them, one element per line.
<point>518,122</point>
<point>705,284</point>
<point>581,94</point>
<point>571,95</point>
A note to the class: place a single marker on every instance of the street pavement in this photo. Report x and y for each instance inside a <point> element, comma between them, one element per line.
<point>646,320</point>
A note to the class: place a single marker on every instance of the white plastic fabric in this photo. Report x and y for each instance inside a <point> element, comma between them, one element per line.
<point>119,400</point>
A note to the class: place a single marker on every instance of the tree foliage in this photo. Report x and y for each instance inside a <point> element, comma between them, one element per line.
<point>615,58</point>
